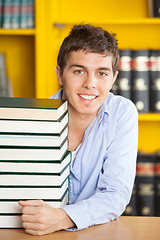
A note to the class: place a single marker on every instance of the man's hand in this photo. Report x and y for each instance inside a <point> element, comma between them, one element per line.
<point>40,218</point>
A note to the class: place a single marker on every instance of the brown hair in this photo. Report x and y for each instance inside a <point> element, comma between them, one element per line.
<point>90,39</point>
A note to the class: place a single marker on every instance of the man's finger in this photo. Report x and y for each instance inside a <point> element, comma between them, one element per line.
<point>36,203</point>
<point>31,210</point>
<point>29,219</point>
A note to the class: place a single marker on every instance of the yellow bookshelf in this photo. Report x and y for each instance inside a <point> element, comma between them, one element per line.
<point>31,54</point>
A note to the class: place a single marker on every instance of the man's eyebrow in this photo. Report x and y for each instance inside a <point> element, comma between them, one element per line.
<point>76,65</point>
<point>82,66</point>
<point>105,68</point>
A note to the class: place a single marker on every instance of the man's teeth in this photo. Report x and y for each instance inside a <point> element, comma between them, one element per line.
<point>87,97</point>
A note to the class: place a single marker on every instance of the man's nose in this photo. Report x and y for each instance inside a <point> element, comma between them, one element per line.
<point>89,81</point>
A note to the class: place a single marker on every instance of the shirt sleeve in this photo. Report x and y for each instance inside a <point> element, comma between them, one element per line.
<point>116,179</point>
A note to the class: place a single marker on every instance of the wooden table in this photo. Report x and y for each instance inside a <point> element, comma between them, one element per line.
<point>125,228</point>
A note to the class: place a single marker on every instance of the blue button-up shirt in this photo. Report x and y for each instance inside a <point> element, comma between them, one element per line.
<point>103,172</point>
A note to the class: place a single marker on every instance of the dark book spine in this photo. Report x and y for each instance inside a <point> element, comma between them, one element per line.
<point>157,170</point>
<point>155,80</point>
<point>156,8</point>
<point>140,79</point>
<point>114,88</point>
<point>124,76</point>
<point>131,209</point>
<point>146,185</point>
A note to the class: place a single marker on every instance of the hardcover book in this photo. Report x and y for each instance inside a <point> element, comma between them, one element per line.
<point>157,172</point>
<point>28,166</point>
<point>146,184</point>
<point>36,127</point>
<point>11,206</point>
<point>124,76</point>
<point>32,108</point>
<point>140,79</point>
<point>4,85</point>
<point>155,81</point>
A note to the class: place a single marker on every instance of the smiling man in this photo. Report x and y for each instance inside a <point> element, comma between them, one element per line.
<point>103,137</point>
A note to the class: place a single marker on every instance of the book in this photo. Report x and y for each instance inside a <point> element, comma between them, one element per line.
<point>157,172</point>
<point>32,108</point>
<point>4,86</point>
<point>155,81</point>
<point>146,184</point>
<point>10,221</point>
<point>114,88</point>
<point>33,153</point>
<point>15,20</point>
<point>33,180</point>
<point>124,76</point>
<point>1,13</point>
<point>9,126</point>
<point>48,167</point>
<point>156,8</point>
<point>12,206</point>
<point>30,11</point>
<point>150,8</point>
<point>131,209</point>
<point>33,140</point>
<point>7,14</point>
<point>37,192</point>
<point>24,14</point>
<point>140,79</point>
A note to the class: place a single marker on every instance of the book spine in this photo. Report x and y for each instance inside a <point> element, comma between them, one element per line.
<point>0,13</point>
<point>156,8</point>
<point>124,76</point>
<point>15,14</point>
<point>3,77</point>
<point>131,209</point>
<point>24,14</point>
<point>114,89</point>
<point>146,185</point>
<point>140,79</point>
<point>30,13</point>
<point>157,170</point>
<point>150,8</point>
<point>155,81</point>
<point>7,14</point>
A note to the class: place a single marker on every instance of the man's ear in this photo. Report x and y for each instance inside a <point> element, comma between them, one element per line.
<point>59,75</point>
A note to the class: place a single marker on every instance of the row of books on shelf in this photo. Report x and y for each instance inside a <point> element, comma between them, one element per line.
<point>145,200</point>
<point>34,156</point>
<point>15,14</point>
<point>139,78</point>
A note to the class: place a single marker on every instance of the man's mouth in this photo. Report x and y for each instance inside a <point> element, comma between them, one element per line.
<point>87,97</point>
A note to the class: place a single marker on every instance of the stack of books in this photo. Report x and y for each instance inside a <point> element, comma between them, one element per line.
<point>34,156</point>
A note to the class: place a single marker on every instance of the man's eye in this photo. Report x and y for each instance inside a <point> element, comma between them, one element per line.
<point>78,72</point>
<point>102,74</point>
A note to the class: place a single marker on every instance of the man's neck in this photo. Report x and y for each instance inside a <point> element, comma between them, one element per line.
<point>78,123</point>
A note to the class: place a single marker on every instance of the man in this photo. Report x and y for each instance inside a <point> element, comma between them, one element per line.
<point>103,133</point>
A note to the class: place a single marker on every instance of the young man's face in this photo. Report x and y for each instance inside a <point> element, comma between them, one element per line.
<point>87,79</point>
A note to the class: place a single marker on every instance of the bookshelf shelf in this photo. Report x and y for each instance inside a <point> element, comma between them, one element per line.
<point>17,32</point>
<point>105,21</point>
<point>149,117</point>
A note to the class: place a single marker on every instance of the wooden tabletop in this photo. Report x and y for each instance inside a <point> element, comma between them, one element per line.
<point>125,228</point>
